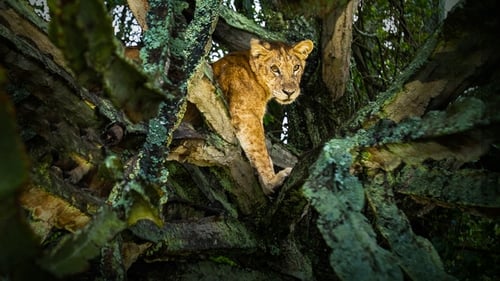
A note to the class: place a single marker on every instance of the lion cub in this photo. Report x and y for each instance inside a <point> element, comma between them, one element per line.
<point>249,79</point>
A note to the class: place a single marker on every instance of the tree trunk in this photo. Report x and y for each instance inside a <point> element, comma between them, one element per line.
<point>119,188</point>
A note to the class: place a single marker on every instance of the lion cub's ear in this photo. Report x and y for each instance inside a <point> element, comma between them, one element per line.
<point>303,48</point>
<point>259,48</point>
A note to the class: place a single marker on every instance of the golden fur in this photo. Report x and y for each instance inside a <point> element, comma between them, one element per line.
<point>249,79</point>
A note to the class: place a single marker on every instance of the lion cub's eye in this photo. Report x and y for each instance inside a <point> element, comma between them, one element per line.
<point>275,69</point>
<point>296,67</point>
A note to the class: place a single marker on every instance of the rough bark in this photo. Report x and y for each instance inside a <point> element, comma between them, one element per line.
<point>98,150</point>
<point>336,48</point>
<point>422,144</point>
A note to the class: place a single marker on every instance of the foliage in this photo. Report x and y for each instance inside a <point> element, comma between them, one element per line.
<point>387,34</point>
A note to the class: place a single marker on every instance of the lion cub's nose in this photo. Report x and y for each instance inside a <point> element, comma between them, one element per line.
<point>288,92</point>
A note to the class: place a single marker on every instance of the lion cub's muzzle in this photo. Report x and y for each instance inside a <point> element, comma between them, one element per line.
<point>286,96</point>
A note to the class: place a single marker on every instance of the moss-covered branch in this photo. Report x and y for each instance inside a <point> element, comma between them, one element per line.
<point>339,199</point>
<point>188,238</point>
<point>83,31</point>
<point>422,155</point>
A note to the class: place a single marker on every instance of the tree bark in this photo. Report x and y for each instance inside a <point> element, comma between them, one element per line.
<point>336,48</point>
<point>110,180</point>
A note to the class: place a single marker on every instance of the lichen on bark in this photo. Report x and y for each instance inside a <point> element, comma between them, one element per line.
<point>339,199</point>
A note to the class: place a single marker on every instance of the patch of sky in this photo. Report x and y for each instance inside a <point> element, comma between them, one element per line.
<point>41,8</point>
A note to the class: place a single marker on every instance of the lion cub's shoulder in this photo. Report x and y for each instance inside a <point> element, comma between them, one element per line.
<point>232,71</point>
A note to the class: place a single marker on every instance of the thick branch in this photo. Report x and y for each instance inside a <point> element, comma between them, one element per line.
<point>336,48</point>
<point>209,234</point>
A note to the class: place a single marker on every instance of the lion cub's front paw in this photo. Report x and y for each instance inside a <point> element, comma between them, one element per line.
<point>277,180</point>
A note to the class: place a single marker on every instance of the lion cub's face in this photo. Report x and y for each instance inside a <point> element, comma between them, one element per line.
<point>280,67</point>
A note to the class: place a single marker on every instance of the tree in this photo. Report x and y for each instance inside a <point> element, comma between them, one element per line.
<point>121,164</point>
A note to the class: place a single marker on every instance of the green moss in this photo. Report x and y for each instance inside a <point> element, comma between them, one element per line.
<point>241,22</point>
<point>461,115</point>
<point>157,133</point>
<point>114,167</point>
<point>339,199</point>
<point>223,260</point>
<point>156,37</point>
<point>464,187</point>
<point>224,178</point>
<point>199,236</point>
<point>416,255</point>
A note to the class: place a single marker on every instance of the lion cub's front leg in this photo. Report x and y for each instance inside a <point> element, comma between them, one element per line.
<point>250,133</point>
